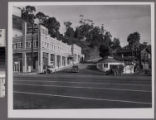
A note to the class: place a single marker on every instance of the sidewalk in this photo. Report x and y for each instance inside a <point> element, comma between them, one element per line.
<point>28,73</point>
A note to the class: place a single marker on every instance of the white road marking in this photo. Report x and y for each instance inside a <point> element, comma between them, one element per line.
<point>77,87</point>
<point>82,98</point>
<point>98,83</point>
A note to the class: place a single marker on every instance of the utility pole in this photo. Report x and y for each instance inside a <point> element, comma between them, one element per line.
<point>72,50</point>
<point>34,21</point>
<point>32,47</point>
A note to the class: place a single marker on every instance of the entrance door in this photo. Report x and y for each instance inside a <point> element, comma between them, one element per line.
<point>45,60</point>
<point>16,67</point>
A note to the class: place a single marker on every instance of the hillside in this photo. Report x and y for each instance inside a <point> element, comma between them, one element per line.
<point>89,52</point>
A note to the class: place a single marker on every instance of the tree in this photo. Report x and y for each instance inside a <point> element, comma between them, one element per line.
<point>82,31</point>
<point>69,33</point>
<point>134,40</point>
<point>115,44</point>
<point>107,39</point>
<point>41,16</point>
<point>60,36</point>
<point>148,49</point>
<point>67,24</point>
<point>53,26</point>
<point>95,37</point>
<point>135,46</point>
<point>104,51</point>
<point>115,47</point>
<point>28,14</point>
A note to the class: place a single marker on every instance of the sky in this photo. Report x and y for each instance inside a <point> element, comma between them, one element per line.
<point>120,20</point>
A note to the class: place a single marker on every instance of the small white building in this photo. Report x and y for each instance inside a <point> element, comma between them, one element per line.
<point>105,64</point>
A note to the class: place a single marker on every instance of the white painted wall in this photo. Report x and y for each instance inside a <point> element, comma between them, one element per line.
<point>128,69</point>
<point>17,33</point>
<point>16,11</point>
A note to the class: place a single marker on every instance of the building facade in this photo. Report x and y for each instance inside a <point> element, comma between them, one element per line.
<point>146,59</point>
<point>35,51</point>
<point>107,64</point>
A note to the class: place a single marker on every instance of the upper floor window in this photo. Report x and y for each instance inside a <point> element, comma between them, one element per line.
<point>36,44</point>
<point>17,45</point>
<point>28,44</point>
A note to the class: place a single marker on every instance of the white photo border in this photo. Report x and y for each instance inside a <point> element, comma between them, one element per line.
<point>77,113</point>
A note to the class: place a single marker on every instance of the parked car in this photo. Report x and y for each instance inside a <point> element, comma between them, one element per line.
<point>49,69</point>
<point>75,69</point>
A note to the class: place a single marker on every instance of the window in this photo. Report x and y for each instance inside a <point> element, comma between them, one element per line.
<point>18,45</point>
<point>105,65</point>
<point>42,44</point>
<point>63,61</point>
<point>52,59</point>
<point>15,46</point>
<point>36,44</point>
<point>28,44</point>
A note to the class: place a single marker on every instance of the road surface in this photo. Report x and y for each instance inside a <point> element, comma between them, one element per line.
<point>87,89</point>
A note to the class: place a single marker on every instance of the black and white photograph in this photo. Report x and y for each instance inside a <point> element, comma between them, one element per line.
<point>76,58</point>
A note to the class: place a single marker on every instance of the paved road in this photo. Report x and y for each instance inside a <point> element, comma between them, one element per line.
<point>87,89</point>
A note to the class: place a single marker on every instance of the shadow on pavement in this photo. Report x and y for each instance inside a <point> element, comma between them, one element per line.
<point>92,67</point>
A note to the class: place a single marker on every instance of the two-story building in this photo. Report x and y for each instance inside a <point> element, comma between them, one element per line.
<point>33,51</point>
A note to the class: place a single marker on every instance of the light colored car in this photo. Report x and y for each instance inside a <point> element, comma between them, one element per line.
<point>50,69</point>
